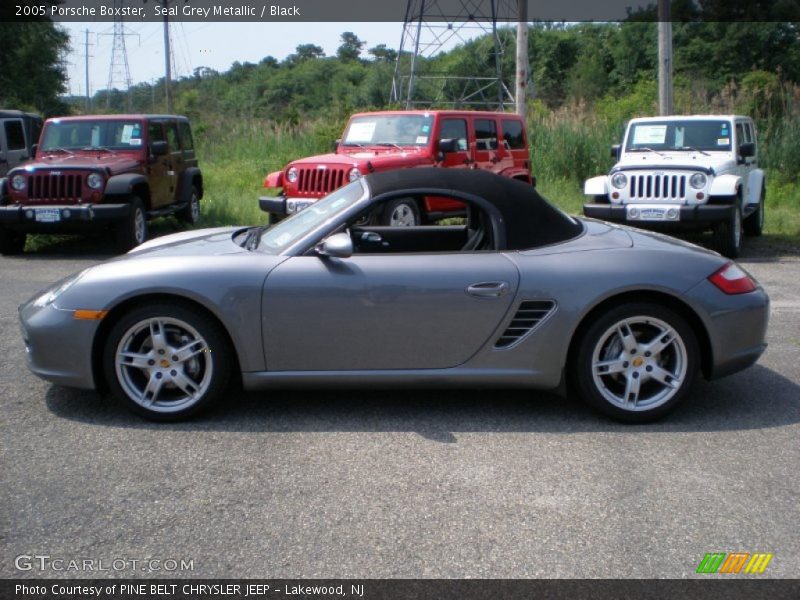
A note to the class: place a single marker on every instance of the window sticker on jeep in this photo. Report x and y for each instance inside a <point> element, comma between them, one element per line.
<point>723,141</point>
<point>127,132</point>
<point>135,141</point>
<point>361,132</point>
<point>422,139</point>
<point>650,134</point>
<point>426,128</point>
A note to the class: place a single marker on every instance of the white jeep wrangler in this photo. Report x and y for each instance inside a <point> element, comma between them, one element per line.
<point>685,173</point>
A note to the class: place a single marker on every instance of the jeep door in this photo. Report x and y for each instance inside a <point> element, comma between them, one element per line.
<point>13,146</point>
<point>158,167</point>
<point>456,129</point>
<point>489,154</point>
<point>516,143</point>
<point>176,166</point>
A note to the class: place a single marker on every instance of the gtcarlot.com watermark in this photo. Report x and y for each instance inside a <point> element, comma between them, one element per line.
<point>47,563</point>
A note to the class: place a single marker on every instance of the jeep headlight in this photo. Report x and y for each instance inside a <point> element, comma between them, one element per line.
<point>291,175</point>
<point>94,181</point>
<point>619,180</point>
<point>353,174</point>
<point>18,182</point>
<point>698,181</point>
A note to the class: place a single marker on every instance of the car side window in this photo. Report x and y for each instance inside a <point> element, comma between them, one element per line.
<point>172,137</point>
<point>156,132</point>
<point>186,136</point>
<point>739,136</point>
<point>15,136</point>
<point>748,133</point>
<point>485,134</point>
<point>455,129</point>
<point>513,134</point>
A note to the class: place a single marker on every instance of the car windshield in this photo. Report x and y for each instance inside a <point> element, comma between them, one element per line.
<point>279,237</point>
<point>109,134</point>
<point>389,130</point>
<point>691,134</point>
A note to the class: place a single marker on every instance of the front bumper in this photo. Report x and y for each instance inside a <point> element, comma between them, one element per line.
<point>283,206</point>
<point>69,216</point>
<point>700,214</point>
<point>58,347</point>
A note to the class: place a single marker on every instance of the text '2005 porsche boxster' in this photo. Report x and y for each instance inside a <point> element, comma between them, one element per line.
<point>514,294</point>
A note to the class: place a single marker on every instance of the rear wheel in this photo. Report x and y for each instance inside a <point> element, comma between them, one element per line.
<point>728,233</point>
<point>402,212</point>
<point>133,230</point>
<point>167,362</point>
<point>191,212</point>
<point>11,242</point>
<point>754,224</point>
<point>636,362</point>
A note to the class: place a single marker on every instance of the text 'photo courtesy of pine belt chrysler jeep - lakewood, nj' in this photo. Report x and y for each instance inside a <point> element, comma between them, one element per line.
<point>689,173</point>
<point>382,141</point>
<point>102,172</point>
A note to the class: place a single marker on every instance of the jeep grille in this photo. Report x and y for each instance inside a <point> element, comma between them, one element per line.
<point>44,187</point>
<point>658,186</point>
<point>320,181</point>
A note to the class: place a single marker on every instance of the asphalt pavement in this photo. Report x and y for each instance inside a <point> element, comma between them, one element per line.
<point>397,484</point>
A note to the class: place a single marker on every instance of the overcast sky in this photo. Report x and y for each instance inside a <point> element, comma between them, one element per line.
<point>215,45</point>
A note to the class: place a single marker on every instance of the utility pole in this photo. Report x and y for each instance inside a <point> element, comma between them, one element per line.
<point>520,91</point>
<point>664,58</point>
<point>167,57</point>
<point>86,45</point>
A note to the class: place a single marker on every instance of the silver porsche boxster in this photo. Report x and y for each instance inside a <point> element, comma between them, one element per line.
<point>514,293</point>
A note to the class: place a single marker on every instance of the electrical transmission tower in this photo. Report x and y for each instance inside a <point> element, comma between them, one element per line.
<point>119,72</point>
<point>429,27</point>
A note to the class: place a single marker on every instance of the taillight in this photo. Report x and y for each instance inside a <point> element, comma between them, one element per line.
<point>732,279</point>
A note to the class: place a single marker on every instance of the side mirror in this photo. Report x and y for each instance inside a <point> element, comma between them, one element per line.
<point>336,145</point>
<point>747,150</point>
<point>34,149</point>
<point>615,148</point>
<point>448,145</point>
<point>339,245</point>
<point>158,148</point>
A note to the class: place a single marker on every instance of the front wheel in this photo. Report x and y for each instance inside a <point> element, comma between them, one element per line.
<point>636,362</point>
<point>728,234</point>
<point>167,362</point>
<point>402,212</point>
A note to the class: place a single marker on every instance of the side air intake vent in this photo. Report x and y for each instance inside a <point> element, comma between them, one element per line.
<point>528,316</point>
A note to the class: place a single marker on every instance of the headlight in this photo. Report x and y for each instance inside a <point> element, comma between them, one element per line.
<point>18,182</point>
<point>353,174</point>
<point>291,175</point>
<point>94,181</point>
<point>49,296</point>
<point>619,180</point>
<point>698,180</point>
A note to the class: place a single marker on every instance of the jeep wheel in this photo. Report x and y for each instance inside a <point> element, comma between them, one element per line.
<point>191,212</point>
<point>11,242</point>
<point>402,212</point>
<point>728,234</point>
<point>754,224</point>
<point>133,230</point>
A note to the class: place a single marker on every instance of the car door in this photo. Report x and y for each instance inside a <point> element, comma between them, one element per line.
<point>175,158</point>
<point>397,311</point>
<point>742,164</point>
<point>14,145</point>
<point>158,167</point>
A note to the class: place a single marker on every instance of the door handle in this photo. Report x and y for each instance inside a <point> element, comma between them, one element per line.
<point>488,289</point>
<point>371,237</point>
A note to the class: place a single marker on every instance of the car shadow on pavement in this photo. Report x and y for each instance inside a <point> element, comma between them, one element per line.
<point>754,399</point>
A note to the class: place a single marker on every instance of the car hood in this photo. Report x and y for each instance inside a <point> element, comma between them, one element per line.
<point>378,158</point>
<point>717,161</point>
<point>111,163</point>
<point>197,242</point>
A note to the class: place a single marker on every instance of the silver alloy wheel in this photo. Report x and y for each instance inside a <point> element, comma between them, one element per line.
<point>139,225</point>
<point>402,216</point>
<point>639,363</point>
<point>194,208</point>
<point>163,364</point>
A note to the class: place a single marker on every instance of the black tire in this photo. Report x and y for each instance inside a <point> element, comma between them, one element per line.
<point>12,242</point>
<point>133,230</point>
<point>191,212</point>
<point>401,212</point>
<point>754,224</point>
<point>206,372</point>
<point>728,234</point>
<point>639,372</point>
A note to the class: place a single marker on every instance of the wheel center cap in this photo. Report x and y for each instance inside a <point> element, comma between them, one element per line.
<point>164,363</point>
<point>638,361</point>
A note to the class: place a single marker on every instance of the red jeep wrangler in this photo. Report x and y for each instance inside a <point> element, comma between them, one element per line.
<point>380,141</point>
<point>95,172</point>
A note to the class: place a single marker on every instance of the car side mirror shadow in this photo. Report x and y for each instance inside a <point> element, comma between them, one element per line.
<point>34,150</point>
<point>446,146</point>
<point>747,150</point>
<point>615,149</point>
<point>158,148</point>
<point>338,245</point>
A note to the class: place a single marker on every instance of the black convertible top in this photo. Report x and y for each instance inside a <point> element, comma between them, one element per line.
<point>529,220</point>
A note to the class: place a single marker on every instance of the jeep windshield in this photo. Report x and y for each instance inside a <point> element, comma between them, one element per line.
<point>83,134</point>
<point>388,130</point>
<point>690,135</point>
